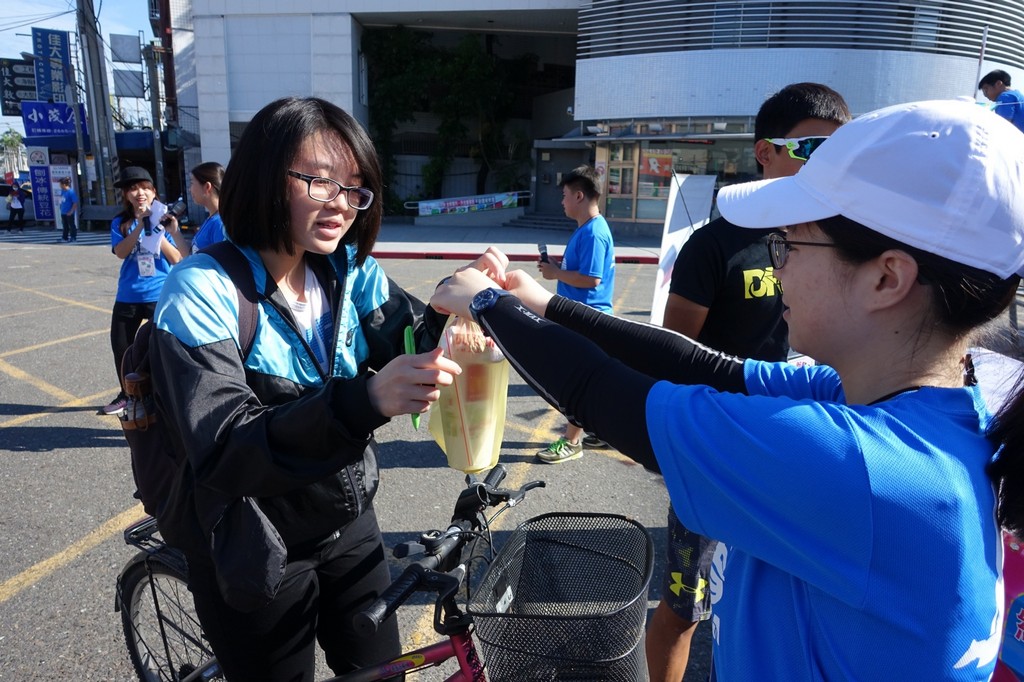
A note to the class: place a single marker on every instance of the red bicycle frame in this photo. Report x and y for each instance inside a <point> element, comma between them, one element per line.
<point>459,645</point>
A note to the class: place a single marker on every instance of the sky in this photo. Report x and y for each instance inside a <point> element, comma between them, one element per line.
<point>123,17</point>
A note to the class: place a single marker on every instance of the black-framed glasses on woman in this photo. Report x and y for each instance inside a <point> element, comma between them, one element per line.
<point>324,190</point>
<point>779,248</point>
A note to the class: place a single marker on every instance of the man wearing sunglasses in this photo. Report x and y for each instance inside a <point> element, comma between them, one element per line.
<point>723,294</point>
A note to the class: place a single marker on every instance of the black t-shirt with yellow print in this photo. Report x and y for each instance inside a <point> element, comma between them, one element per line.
<point>725,268</point>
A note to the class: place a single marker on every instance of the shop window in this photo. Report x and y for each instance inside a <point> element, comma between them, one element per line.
<point>620,181</point>
<point>655,174</point>
<point>620,192</point>
<point>621,152</point>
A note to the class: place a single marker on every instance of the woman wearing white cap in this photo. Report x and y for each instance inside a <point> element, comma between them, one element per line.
<point>857,499</point>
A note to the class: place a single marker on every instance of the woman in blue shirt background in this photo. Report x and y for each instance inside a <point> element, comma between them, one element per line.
<point>204,186</point>
<point>147,250</point>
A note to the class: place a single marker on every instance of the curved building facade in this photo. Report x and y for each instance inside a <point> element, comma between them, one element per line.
<point>700,57</point>
<point>676,83</point>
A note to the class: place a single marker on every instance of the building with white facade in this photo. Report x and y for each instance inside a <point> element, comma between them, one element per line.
<point>678,81</point>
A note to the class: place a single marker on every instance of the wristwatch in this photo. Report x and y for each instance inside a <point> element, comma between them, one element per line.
<point>485,300</point>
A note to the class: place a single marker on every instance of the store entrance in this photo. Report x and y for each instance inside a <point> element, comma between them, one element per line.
<point>551,165</point>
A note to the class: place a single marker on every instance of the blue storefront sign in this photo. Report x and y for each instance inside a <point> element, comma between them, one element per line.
<point>45,118</point>
<point>42,195</point>
<point>52,63</point>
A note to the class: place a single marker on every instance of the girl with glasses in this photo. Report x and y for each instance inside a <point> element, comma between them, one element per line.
<point>858,501</point>
<point>289,426</point>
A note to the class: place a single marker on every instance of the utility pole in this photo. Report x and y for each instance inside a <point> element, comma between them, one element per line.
<point>83,181</point>
<point>152,54</point>
<point>107,168</point>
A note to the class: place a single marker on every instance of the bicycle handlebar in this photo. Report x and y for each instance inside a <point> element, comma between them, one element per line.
<point>423,574</point>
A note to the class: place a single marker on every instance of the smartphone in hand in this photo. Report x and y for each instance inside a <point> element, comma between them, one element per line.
<point>543,250</point>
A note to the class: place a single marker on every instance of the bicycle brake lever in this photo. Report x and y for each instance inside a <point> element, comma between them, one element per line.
<point>514,497</point>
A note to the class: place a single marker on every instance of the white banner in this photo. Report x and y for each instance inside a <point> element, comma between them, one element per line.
<point>689,208</point>
<point>57,173</point>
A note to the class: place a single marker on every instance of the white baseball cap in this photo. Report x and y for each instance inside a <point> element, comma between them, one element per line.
<point>946,177</point>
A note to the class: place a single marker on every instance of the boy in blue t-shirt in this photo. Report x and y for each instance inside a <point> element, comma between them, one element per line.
<point>1008,103</point>
<point>68,211</point>
<point>586,274</point>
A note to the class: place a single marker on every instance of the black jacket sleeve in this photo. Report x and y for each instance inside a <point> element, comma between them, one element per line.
<point>601,380</point>
<point>239,446</point>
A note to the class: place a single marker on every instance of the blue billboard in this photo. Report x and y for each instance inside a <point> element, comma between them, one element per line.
<point>44,118</point>
<point>52,63</point>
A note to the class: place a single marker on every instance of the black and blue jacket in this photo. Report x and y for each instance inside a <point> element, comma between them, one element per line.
<point>274,426</point>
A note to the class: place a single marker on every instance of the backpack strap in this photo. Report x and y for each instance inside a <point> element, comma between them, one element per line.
<point>236,265</point>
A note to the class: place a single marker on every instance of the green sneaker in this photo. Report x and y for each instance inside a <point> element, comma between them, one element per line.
<point>561,451</point>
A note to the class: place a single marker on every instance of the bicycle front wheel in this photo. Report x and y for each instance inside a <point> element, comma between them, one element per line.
<point>164,638</point>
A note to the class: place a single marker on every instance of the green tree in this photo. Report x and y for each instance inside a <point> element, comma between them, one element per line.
<point>501,154</point>
<point>467,87</point>
<point>11,142</point>
<point>399,63</point>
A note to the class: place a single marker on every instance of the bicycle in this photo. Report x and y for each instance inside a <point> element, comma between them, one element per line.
<point>165,640</point>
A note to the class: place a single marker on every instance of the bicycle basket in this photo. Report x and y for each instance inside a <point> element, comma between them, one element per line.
<point>566,599</point>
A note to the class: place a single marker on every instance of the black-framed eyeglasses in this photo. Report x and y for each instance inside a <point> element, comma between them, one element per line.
<point>779,248</point>
<point>799,148</point>
<point>324,189</point>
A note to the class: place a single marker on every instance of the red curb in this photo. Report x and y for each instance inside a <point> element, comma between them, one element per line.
<point>470,255</point>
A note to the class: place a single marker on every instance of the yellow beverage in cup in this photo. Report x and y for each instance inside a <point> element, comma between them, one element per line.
<point>472,409</point>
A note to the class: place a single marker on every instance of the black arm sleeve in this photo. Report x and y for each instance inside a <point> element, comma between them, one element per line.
<point>657,352</point>
<point>576,376</point>
<point>600,376</point>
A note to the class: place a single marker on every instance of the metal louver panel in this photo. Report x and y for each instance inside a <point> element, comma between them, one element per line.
<point>609,28</point>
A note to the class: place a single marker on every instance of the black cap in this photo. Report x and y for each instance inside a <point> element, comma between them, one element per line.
<point>131,175</point>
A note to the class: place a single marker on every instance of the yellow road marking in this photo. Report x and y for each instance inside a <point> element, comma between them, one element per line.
<point>31,576</point>
<point>53,342</point>
<point>77,402</point>
<point>46,387</point>
<point>31,312</point>
<point>61,299</point>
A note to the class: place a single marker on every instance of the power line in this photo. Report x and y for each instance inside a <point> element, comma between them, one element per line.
<point>22,23</point>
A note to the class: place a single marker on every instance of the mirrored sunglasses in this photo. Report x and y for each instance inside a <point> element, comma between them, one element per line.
<point>799,148</point>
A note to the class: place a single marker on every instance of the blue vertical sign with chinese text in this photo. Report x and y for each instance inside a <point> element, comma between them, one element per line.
<point>52,64</point>
<point>42,197</point>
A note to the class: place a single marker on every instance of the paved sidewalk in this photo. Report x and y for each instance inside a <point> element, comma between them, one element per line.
<point>48,234</point>
<point>459,242</point>
<point>404,240</point>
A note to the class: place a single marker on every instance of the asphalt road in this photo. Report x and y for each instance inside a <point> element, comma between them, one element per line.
<point>65,480</point>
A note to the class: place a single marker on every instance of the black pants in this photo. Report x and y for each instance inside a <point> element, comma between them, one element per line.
<point>70,226</point>
<point>320,594</point>
<point>16,214</point>
<point>124,322</point>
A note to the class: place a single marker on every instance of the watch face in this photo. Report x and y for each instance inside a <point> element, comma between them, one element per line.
<point>484,300</point>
